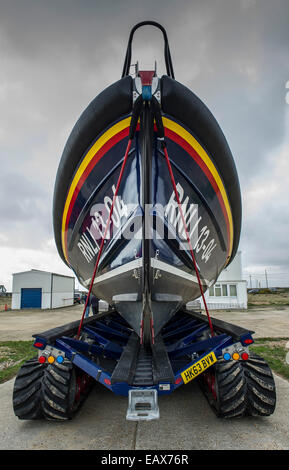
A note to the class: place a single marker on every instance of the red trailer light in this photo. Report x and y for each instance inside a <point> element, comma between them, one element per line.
<point>245,356</point>
<point>248,341</point>
<point>42,359</point>
<point>38,345</point>
<point>178,380</point>
<point>107,381</point>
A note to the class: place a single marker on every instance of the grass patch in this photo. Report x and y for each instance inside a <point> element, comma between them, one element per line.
<point>3,302</point>
<point>12,355</point>
<point>273,299</point>
<point>271,340</point>
<point>264,305</point>
<point>274,351</point>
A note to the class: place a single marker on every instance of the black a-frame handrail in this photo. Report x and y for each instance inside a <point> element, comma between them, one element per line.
<point>168,59</point>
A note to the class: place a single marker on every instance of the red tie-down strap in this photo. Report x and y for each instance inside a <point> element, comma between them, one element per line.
<point>161,136</point>
<point>105,233</point>
<point>133,125</point>
<point>187,233</point>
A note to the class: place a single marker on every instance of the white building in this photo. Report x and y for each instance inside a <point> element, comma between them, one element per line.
<point>229,291</point>
<point>41,289</point>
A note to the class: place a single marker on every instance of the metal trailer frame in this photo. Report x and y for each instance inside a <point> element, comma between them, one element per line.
<point>110,352</point>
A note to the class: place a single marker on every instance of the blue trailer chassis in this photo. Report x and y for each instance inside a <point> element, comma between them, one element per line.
<point>186,349</point>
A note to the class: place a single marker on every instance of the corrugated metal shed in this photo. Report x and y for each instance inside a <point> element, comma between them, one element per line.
<point>42,289</point>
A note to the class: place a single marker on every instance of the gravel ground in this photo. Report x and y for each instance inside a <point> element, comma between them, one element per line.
<point>266,322</point>
<point>22,324</point>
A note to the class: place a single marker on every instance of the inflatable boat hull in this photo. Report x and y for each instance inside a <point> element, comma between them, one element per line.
<point>146,264</point>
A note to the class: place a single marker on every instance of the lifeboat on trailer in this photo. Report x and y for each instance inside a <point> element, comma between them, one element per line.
<point>116,203</point>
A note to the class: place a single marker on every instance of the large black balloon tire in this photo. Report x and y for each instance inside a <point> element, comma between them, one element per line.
<point>27,391</point>
<point>51,391</point>
<point>59,392</point>
<point>227,397</point>
<point>261,390</point>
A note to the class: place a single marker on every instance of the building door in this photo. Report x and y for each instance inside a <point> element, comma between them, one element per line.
<point>31,298</point>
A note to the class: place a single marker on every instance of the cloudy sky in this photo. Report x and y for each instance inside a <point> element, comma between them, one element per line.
<point>57,55</point>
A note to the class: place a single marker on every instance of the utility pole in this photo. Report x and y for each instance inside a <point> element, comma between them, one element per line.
<point>266,278</point>
<point>250,281</point>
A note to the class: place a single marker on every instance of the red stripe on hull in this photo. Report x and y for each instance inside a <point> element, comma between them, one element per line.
<point>95,159</point>
<point>191,151</point>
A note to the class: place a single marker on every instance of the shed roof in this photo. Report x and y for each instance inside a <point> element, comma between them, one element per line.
<point>43,272</point>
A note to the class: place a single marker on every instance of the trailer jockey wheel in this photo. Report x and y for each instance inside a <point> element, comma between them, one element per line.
<point>64,389</point>
<point>224,386</point>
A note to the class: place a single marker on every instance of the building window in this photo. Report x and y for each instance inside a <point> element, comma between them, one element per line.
<point>223,290</point>
<point>218,291</point>
<point>233,290</point>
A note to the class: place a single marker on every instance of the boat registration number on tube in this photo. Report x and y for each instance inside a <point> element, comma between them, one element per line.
<point>199,367</point>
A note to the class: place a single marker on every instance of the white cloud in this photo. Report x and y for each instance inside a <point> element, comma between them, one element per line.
<point>20,259</point>
<point>265,232</point>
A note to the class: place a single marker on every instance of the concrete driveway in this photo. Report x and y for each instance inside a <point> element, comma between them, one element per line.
<point>22,324</point>
<point>270,322</point>
<point>186,423</point>
<point>186,420</point>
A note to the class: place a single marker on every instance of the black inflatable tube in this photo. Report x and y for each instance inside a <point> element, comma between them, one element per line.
<point>110,105</point>
<point>182,104</point>
<point>116,101</point>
